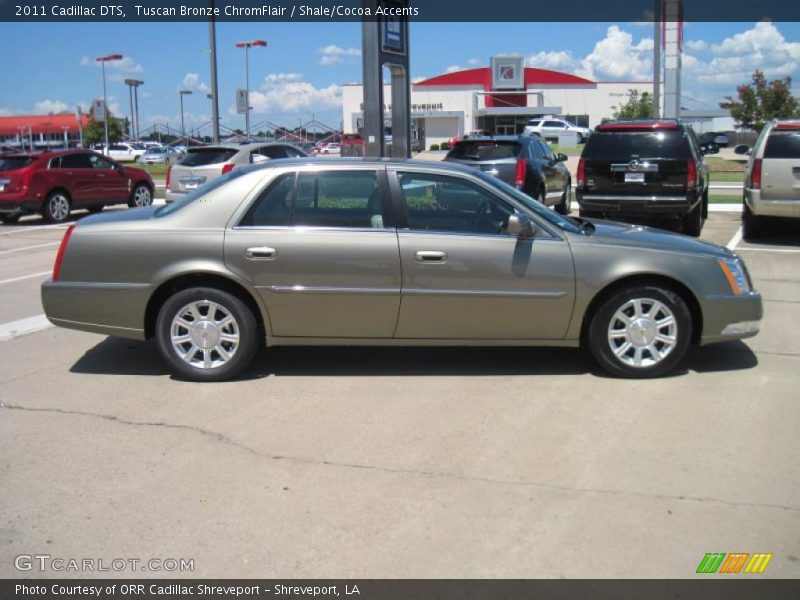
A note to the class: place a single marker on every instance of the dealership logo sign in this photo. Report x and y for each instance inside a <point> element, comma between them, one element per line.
<point>734,563</point>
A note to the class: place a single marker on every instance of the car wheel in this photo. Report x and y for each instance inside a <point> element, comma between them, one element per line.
<point>705,205</point>
<point>588,214</point>
<point>140,196</point>
<point>565,204</point>
<point>542,196</point>
<point>693,221</point>
<point>56,208</point>
<point>205,334</point>
<point>640,332</point>
<point>10,218</point>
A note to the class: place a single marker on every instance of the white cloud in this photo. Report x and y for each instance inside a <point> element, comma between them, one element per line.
<point>696,46</point>
<point>125,65</point>
<point>454,68</point>
<point>560,61</point>
<point>4,111</point>
<point>474,62</point>
<point>616,57</point>
<point>192,82</point>
<point>46,107</point>
<point>335,55</point>
<point>289,92</point>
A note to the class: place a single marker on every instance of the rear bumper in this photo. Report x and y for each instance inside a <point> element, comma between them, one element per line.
<point>171,196</point>
<point>785,208</point>
<point>728,318</point>
<point>636,205</point>
<point>18,203</point>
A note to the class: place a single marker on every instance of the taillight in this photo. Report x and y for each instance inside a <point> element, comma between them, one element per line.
<point>227,168</point>
<point>61,249</point>
<point>169,172</point>
<point>27,175</point>
<point>581,172</point>
<point>519,175</point>
<point>755,175</point>
<point>691,174</point>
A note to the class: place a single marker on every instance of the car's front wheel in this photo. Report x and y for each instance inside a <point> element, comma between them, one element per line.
<point>56,207</point>
<point>640,332</point>
<point>140,196</point>
<point>564,206</point>
<point>205,334</point>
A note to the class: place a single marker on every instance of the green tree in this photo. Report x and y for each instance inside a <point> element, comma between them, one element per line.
<point>638,106</point>
<point>762,101</point>
<point>94,132</point>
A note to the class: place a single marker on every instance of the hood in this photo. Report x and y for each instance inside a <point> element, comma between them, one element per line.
<point>639,236</point>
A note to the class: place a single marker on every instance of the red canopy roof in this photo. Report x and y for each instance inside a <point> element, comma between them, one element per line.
<point>482,76</point>
<point>46,124</point>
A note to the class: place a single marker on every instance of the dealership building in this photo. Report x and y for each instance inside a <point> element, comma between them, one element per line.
<point>500,98</point>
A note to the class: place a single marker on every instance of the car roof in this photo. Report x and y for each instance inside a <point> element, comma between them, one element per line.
<point>356,161</point>
<point>242,146</point>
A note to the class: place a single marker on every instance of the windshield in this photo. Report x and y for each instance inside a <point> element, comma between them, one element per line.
<point>154,150</point>
<point>617,145</point>
<point>199,157</point>
<point>485,150</point>
<point>542,211</point>
<point>212,185</point>
<point>9,163</point>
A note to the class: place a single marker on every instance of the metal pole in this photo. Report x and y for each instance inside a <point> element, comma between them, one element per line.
<point>657,30</point>
<point>131,132</point>
<point>105,109</point>
<point>136,112</point>
<point>247,94</point>
<point>183,127</point>
<point>212,38</point>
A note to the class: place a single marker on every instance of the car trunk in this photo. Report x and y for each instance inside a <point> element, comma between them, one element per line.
<point>199,166</point>
<point>497,158</point>
<point>636,163</point>
<point>781,167</point>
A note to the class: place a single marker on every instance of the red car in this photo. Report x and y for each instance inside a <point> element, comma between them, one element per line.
<point>54,183</point>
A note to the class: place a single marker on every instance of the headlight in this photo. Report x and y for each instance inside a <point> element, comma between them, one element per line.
<point>735,274</point>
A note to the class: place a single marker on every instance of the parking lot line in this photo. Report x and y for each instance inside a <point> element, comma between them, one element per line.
<point>737,237</point>
<point>30,248</point>
<point>34,228</point>
<point>15,279</point>
<point>8,331</point>
<point>780,250</point>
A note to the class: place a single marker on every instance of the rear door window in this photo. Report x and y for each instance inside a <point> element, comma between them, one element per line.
<point>9,163</point>
<point>75,161</point>
<point>784,144</point>
<point>200,157</point>
<point>662,144</point>
<point>485,150</point>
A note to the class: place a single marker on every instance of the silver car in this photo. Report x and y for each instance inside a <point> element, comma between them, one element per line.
<point>772,176</point>
<point>159,155</point>
<point>202,164</point>
<point>390,253</point>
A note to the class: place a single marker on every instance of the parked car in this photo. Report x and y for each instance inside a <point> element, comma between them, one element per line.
<point>470,134</point>
<point>159,155</point>
<point>204,163</point>
<point>647,168</point>
<point>551,128</point>
<point>55,183</point>
<point>330,148</point>
<point>772,177</point>
<point>524,161</point>
<point>123,152</point>
<point>712,137</point>
<point>390,253</point>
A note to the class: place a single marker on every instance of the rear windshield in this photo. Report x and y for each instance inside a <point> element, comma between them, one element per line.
<point>661,144</point>
<point>9,163</point>
<point>204,189</point>
<point>484,150</point>
<point>784,144</point>
<point>198,157</point>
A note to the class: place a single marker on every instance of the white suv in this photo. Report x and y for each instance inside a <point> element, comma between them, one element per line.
<point>772,177</point>
<point>551,128</point>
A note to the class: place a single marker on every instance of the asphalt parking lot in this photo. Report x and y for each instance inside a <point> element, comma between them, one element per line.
<point>347,462</point>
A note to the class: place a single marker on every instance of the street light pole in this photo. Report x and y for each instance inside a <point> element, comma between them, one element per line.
<point>134,86</point>
<point>103,60</point>
<point>183,93</point>
<point>212,42</point>
<point>247,46</point>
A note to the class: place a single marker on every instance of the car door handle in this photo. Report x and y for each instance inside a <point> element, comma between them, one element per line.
<point>261,253</point>
<point>431,256</point>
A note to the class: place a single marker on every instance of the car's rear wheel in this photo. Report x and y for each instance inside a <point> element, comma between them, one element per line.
<point>693,221</point>
<point>205,334</point>
<point>140,196</point>
<point>10,218</point>
<point>751,224</point>
<point>56,208</point>
<point>565,204</point>
<point>640,332</point>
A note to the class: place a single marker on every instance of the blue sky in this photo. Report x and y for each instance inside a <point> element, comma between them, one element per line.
<point>50,67</point>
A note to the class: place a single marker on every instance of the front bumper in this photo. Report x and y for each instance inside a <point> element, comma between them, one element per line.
<point>728,318</point>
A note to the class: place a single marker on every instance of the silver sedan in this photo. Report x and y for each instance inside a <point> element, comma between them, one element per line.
<point>346,252</point>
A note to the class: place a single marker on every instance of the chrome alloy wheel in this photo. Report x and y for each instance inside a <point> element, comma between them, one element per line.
<point>642,332</point>
<point>141,196</point>
<point>204,334</point>
<point>58,207</point>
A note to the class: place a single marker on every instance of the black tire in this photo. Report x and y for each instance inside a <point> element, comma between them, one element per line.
<point>751,224</point>
<point>600,342</point>
<point>244,326</point>
<point>96,208</point>
<point>564,206</point>
<point>588,214</point>
<point>56,207</point>
<point>542,196</point>
<point>693,221</point>
<point>705,205</point>
<point>141,195</point>
<point>10,218</point>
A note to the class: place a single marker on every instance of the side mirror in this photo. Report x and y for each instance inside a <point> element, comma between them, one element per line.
<point>520,225</point>
<point>561,157</point>
<point>742,149</point>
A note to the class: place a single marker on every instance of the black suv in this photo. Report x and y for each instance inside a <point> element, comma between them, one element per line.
<point>649,168</point>
<point>524,161</point>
